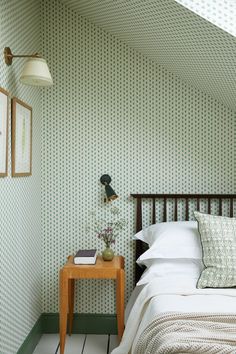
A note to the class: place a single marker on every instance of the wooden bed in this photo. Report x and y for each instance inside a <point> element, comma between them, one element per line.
<point>223,202</point>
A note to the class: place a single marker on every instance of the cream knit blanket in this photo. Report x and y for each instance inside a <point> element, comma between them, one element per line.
<point>196,333</point>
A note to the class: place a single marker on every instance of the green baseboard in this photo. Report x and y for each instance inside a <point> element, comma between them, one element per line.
<point>87,323</point>
<point>83,323</point>
<point>32,339</point>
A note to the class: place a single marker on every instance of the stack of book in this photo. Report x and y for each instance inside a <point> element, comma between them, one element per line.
<point>85,257</point>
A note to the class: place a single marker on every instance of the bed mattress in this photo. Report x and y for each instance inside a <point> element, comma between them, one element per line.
<point>156,298</point>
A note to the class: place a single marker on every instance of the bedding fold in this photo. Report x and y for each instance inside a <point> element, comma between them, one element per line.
<point>197,333</point>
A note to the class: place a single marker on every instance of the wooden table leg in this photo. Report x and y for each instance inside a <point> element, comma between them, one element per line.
<point>71,291</point>
<point>63,309</point>
<point>120,301</point>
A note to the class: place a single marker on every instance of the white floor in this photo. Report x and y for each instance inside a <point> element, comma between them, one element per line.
<point>77,344</point>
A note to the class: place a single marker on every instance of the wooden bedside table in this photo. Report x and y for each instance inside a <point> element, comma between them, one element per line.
<point>101,270</point>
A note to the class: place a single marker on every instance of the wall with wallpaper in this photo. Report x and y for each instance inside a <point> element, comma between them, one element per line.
<point>113,111</point>
<point>171,35</point>
<point>20,229</point>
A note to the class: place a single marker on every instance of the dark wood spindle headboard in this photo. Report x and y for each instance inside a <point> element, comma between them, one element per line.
<point>197,198</point>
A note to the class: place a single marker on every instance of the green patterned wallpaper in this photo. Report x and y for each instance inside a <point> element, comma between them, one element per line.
<point>112,110</point>
<point>20,227</point>
<point>186,44</point>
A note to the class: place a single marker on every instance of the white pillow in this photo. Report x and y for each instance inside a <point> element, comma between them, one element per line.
<point>172,269</point>
<point>177,239</point>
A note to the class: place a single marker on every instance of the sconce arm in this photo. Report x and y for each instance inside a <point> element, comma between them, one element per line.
<point>8,56</point>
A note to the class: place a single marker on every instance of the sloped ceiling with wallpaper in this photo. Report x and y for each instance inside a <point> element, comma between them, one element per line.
<point>165,31</point>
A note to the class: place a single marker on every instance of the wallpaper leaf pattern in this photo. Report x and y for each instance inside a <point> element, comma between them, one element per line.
<point>113,110</point>
<point>20,214</point>
<point>186,44</point>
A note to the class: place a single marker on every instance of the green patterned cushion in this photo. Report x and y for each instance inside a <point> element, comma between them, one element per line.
<point>218,237</point>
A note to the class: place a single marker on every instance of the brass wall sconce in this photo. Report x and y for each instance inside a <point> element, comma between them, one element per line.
<point>110,193</point>
<point>35,71</point>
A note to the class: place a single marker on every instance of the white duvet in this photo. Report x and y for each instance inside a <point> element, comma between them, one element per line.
<point>160,296</point>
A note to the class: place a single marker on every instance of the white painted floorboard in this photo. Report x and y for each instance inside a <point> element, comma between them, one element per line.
<point>114,342</point>
<point>77,344</point>
<point>47,344</point>
<point>74,344</point>
<point>96,344</point>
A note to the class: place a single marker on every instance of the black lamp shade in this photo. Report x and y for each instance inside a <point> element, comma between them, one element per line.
<point>110,193</point>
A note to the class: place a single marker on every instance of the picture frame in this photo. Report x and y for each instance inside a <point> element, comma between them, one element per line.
<point>21,138</point>
<point>4,112</point>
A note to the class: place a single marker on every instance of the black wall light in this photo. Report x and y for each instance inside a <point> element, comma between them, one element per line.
<point>110,193</point>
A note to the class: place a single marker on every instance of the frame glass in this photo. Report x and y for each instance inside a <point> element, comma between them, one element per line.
<point>3,131</point>
<point>21,138</point>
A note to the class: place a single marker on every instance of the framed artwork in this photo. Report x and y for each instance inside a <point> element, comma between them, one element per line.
<point>21,138</point>
<point>3,131</point>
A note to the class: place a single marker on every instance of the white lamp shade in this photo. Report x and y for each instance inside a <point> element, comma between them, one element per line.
<point>36,73</point>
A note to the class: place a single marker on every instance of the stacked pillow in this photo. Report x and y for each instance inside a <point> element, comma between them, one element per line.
<point>202,251</point>
<point>177,239</point>
<point>172,270</point>
<point>174,251</point>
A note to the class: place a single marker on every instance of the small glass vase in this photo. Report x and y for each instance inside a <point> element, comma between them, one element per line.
<point>108,254</point>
